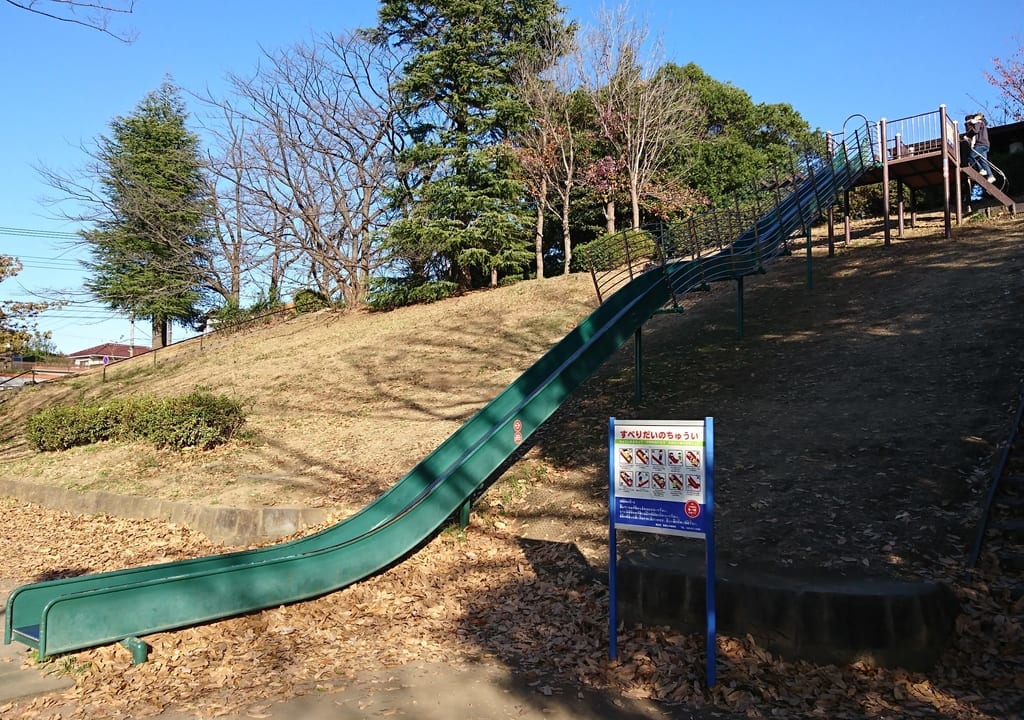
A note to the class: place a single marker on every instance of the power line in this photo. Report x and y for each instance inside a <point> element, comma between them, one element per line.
<point>51,265</point>
<point>26,232</point>
<point>47,259</point>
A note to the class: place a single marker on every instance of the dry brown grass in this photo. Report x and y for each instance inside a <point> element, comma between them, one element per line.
<point>857,414</point>
<point>340,405</point>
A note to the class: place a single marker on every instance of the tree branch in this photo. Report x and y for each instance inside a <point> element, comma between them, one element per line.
<point>97,16</point>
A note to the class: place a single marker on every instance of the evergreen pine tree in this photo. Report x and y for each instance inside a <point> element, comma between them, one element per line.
<point>155,227</point>
<point>466,221</point>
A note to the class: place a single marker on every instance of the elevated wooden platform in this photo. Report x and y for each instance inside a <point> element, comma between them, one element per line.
<point>915,169</point>
<point>924,151</point>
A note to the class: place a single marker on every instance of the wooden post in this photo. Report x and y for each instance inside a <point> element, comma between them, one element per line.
<point>885,183</point>
<point>846,217</point>
<point>899,208</point>
<point>959,186</point>
<point>945,170</point>
<point>831,231</point>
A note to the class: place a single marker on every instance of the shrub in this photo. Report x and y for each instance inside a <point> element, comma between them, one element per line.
<point>228,318</point>
<point>200,419</point>
<point>231,317</point>
<point>307,300</point>
<point>615,249</point>
<point>433,291</point>
<point>389,293</point>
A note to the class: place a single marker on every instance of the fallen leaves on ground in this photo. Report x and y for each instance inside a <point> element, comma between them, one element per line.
<point>478,597</point>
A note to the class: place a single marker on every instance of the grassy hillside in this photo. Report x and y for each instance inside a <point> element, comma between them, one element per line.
<point>340,405</point>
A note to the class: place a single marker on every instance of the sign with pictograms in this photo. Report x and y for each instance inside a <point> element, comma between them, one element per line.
<point>662,481</point>
<point>658,476</point>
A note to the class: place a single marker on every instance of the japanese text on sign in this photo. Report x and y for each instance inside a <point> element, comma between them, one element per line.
<point>658,476</point>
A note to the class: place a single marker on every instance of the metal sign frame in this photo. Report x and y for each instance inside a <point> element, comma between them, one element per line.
<point>661,480</point>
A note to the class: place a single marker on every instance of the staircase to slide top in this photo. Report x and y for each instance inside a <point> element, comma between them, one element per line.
<point>990,186</point>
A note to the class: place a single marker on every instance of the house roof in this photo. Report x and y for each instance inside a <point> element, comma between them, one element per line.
<point>117,350</point>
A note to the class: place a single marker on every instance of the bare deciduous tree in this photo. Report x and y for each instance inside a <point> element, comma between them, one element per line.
<point>604,176</point>
<point>320,145</point>
<point>234,255</point>
<point>1008,77</point>
<point>249,235</point>
<point>643,114</point>
<point>547,148</point>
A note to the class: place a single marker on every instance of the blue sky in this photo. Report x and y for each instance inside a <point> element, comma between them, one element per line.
<point>62,84</point>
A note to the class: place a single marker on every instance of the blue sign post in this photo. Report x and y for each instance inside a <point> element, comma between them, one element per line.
<point>662,481</point>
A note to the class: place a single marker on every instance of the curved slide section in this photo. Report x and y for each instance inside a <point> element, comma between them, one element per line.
<point>74,613</point>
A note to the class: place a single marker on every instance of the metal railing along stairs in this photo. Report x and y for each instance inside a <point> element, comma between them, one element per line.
<point>730,242</point>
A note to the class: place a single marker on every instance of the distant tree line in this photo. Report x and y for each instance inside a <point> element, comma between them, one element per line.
<point>457,144</point>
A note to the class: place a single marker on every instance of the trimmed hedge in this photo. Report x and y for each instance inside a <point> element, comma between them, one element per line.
<point>200,419</point>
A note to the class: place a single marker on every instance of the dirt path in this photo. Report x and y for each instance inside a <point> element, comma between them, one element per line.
<point>855,421</point>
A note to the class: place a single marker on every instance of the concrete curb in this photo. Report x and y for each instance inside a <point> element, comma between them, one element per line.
<point>231,526</point>
<point>883,623</point>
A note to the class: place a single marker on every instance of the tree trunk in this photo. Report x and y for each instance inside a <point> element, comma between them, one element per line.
<point>609,216</point>
<point>159,333</point>
<point>276,271</point>
<point>236,284</point>
<point>634,199</point>
<point>538,237</point>
<point>566,236</point>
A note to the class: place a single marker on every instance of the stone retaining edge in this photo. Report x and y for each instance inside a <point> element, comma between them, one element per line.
<point>882,623</point>
<point>230,526</point>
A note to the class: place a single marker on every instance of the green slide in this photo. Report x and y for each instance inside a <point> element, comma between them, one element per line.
<point>74,613</point>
